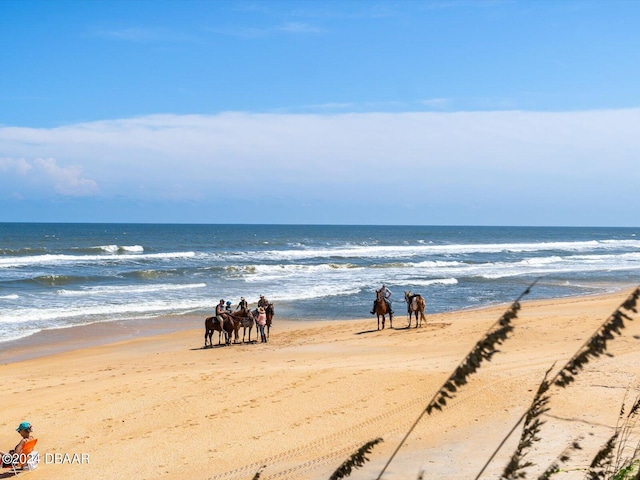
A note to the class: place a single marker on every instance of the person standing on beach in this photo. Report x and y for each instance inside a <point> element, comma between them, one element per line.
<point>261,321</point>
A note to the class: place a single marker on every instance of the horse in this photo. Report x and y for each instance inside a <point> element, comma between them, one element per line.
<point>381,310</point>
<point>415,305</point>
<point>270,312</point>
<point>211,324</point>
<point>244,319</point>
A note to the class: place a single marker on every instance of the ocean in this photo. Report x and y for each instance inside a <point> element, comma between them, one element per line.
<point>61,275</point>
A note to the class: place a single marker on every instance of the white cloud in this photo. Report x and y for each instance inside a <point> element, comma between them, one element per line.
<point>42,174</point>
<point>67,180</point>
<point>14,165</point>
<point>468,158</point>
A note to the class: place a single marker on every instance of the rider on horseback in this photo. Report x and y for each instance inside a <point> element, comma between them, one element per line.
<point>243,305</point>
<point>263,302</point>
<point>385,293</point>
<point>220,313</point>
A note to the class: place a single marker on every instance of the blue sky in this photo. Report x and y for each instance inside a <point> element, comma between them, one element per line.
<point>398,112</point>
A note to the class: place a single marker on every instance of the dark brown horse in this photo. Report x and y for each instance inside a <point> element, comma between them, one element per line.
<point>415,305</point>
<point>212,323</point>
<point>381,310</point>
<point>269,311</point>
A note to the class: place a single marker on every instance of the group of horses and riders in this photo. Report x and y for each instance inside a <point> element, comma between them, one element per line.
<point>227,322</point>
<point>382,307</point>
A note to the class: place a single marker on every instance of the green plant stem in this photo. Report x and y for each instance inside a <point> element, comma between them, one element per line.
<point>628,304</point>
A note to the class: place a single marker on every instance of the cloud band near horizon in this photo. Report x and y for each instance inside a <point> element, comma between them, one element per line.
<point>426,162</point>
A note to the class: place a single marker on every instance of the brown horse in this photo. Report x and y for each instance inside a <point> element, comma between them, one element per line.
<point>212,323</point>
<point>381,310</point>
<point>415,305</point>
<point>270,312</point>
<point>243,318</point>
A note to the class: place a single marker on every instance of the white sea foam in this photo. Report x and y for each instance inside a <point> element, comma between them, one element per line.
<point>333,273</point>
<point>295,269</point>
<point>129,289</point>
<point>48,260</point>
<point>64,315</point>
<point>435,281</point>
<point>124,248</point>
<point>407,251</point>
<point>12,296</point>
<point>7,336</point>
<point>306,292</point>
<point>555,265</point>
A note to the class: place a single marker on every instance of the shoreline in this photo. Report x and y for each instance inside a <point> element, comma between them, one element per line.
<point>61,340</point>
<point>302,403</point>
<point>67,339</point>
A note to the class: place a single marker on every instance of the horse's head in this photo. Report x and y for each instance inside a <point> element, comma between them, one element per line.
<point>407,295</point>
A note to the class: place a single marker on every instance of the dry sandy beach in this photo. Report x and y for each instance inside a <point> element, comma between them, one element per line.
<point>161,406</point>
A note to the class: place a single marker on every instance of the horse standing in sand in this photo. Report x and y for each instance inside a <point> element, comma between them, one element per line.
<point>243,318</point>
<point>381,310</point>
<point>415,305</point>
<point>211,324</point>
<point>270,312</point>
